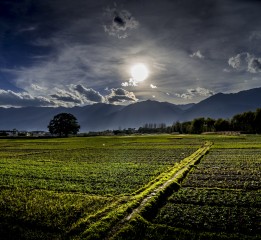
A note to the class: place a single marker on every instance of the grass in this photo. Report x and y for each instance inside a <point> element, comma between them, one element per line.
<point>82,188</point>
<point>220,195</point>
<point>50,186</point>
<point>50,212</point>
<point>106,172</point>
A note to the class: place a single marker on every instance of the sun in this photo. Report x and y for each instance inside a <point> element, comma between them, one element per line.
<point>139,72</point>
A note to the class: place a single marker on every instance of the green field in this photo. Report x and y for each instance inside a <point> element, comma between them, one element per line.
<point>84,188</point>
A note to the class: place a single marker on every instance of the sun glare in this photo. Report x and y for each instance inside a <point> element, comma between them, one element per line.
<point>139,72</point>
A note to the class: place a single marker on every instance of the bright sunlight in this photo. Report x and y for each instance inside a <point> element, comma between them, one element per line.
<point>139,72</point>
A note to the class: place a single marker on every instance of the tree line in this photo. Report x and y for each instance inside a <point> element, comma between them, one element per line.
<point>247,122</point>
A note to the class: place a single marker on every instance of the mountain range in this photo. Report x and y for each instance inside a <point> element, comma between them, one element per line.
<point>102,116</point>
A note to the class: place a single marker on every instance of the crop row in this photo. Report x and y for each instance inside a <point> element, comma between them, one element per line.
<point>95,171</point>
<point>157,189</point>
<point>221,194</point>
<point>146,141</point>
<point>47,186</point>
<point>217,197</point>
<point>204,211</point>
<point>228,168</point>
<point>203,217</point>
<point>214,210</point>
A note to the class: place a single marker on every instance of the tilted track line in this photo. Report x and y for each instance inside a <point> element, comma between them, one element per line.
<point>114,220</point>
<point>174,178</point>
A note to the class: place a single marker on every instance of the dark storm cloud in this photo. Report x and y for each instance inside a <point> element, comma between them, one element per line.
<point>119,22</point>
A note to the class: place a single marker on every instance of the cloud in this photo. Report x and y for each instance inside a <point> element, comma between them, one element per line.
<point>131,83</point>
<point>66,96</point>
<point>245,62</point>
<point>239,61</point>
<point>120,95</point>
<point>38,88</point>
<point>119,22</point>
<point>78,95</point>
<point>69,96</point>
<point>254,65</point>
<point>73,48</point>
<point>197,54</point>
<point>191,93</point>
<point>159,66</point>
<point>201,91</point>
<point>255,36</point>
<point>153,86</point>
<point>71,64</point>
<point>89,94</point>
<point>27,29</point>
<point>9,98</point>
<point>125,84</point>
<point>226,70</point>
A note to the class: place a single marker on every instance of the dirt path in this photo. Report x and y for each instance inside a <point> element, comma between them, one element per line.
<point>188,164</point>
<point>147,198</point>
<point>165,184</point>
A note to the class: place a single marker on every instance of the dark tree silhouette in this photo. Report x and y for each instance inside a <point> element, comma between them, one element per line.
<point>63,124</point>
<point>246,122</point>
<point>209,124</point>
<point>257,121</point>
<point>197,125</point>
<point>222,125</point>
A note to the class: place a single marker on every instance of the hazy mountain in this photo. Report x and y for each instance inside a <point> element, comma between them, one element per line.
<point>225,105</point>
<point>90,117</point>
<point>95,117</point>
<point>186,106</point>
<point>105,116</point>
<point>137,114</point>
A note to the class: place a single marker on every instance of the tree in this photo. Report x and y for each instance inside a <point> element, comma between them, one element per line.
<point>209,125</point>
<point>222,125</point>
<point>197,125</point>
<point>245,122</point>
<point>249,121</point>
<point>257,122</point>
<point>186,127</point>
<point>63,124</point>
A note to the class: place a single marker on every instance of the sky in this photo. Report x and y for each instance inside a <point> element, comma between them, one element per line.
<point>75,53</point>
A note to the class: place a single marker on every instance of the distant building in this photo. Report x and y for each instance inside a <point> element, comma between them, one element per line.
<point>16,133</point>
<point>39,134</point>
<point>9,133</point>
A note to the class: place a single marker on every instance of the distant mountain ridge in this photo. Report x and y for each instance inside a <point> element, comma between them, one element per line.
<point>223,105</point>
<point>106,116</point>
